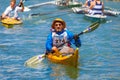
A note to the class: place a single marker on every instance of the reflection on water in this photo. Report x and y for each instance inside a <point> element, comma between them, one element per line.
<point>59,71</point>
<point>37,66</point>
<point>8,25</point>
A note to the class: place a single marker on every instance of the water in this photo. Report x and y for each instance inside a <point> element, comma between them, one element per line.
<point>99,53</point>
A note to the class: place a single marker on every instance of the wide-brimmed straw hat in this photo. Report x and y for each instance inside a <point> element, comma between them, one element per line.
<point>13,1</point>
<point>59,20</point>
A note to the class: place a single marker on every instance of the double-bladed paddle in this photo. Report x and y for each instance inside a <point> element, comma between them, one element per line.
<point>51,12</point>
<point>25,8</point>
<point>37,59</point>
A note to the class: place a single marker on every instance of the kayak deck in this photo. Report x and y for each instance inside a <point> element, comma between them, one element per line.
<point>70,59</point>
<point>11,21</point>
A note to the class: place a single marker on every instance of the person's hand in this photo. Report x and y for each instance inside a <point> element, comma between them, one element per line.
<point>54,49</point>
<point>76,37</point>
<point>21,4</point>
<point>77,43</point>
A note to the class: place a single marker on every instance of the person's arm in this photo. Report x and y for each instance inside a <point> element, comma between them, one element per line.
<point>74,39</point>
<point>89,10</point>
<point>102,7</point>
<point>85,4</point>
<point>19,8</point>
<point>6,13</point>
<point>77,41</point>
<point>49,43</point>
<point>92,5</point>
<point>21,5</point>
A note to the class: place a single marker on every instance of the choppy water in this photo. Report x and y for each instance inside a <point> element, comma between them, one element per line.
<point>99,53</point>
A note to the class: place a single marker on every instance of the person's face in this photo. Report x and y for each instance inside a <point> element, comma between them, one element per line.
<point>12,4</point>
<point>58,26</point>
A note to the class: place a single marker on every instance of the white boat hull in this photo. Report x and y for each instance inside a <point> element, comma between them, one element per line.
<point>96,16</point>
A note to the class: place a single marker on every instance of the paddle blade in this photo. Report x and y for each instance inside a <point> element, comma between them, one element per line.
<point>92,27</point>
<point>35,60</point>
<point>26,9</point>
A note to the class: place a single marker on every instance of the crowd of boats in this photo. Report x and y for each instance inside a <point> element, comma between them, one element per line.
<point>81,8</point>
<point>97,12</point>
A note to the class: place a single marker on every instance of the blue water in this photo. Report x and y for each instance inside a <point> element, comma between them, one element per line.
<point>99,53</point>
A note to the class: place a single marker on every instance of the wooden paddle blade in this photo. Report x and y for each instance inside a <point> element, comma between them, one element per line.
<point>92,27</point>
<point>35,60</point>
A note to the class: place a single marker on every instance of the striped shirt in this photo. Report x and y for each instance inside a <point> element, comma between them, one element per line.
<point>97,8</point>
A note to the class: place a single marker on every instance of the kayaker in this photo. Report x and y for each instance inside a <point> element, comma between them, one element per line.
<point>9,9</point>
<point>60,39</point>
<point>13,7</point>
<point>96,7</point>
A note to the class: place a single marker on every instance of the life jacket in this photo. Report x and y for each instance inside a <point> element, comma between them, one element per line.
<point>97,8</point>
<point>59,40</point>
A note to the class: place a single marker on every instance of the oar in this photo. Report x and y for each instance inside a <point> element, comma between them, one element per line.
<point>111,13</point>
<point>37,59</point>
<point>51,12</point>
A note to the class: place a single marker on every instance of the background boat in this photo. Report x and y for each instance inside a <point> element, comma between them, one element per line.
<point>69,4</point>
<point>100,18</point>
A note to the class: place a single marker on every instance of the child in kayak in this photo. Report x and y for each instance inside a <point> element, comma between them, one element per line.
<point>60,39</point>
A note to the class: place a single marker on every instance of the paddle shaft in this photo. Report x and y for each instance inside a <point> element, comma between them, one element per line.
<point>92,27</point>
<point>47,13</point>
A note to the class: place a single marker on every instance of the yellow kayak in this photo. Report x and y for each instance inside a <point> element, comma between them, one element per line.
<point>11,21</point>
<point>70,59</point>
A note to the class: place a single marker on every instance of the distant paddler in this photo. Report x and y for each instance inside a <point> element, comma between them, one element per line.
<point>12,7</point>
<point>96,7</point>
